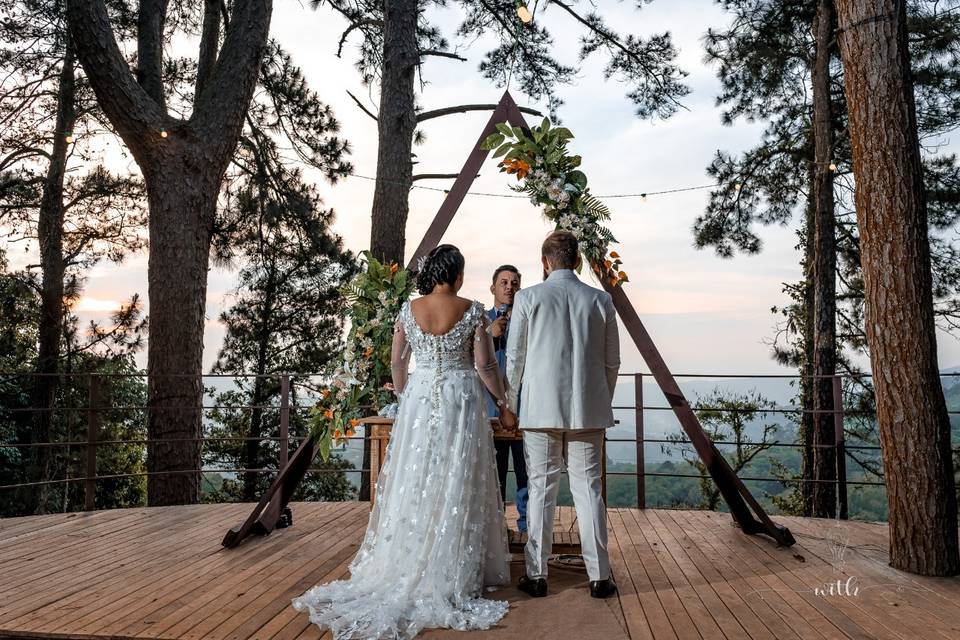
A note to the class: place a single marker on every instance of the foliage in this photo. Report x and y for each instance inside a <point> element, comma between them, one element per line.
<point>357,383</point>
<point>551,177</point>
<point>725,417</point>
<point>524,55</point>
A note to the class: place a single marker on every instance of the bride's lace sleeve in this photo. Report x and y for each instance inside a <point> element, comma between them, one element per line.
<point>399,357</point>
<point>485,359</point>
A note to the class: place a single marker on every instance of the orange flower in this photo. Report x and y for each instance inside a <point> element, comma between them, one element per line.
<point>394,267</point>
<point>337,434</point>
<point>328,414</point>
<point>350,433</point>
<point>354,422</point>
<point>368,352</point>
<point>614,255</point>
<point>326,393</point>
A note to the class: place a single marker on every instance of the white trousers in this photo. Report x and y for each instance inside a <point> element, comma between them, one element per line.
<point>580,451</point>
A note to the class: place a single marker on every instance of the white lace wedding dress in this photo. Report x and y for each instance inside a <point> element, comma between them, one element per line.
<point>436,534</point>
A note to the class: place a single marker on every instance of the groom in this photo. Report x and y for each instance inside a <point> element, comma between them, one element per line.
<point>563,353</point>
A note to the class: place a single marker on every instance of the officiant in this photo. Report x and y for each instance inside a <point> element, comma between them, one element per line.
<point>506,283</point>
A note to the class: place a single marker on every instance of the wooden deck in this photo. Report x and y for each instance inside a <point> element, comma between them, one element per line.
<point>161,573</point>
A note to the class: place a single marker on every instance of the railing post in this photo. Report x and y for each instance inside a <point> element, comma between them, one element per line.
<point>284,419</point>
<point>94,419</point>
<point>839,441</point>
<point>638,428</point>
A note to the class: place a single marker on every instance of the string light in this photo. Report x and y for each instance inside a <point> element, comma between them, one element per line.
<point>737,186</point>
<point>69,137</point>
<point>833,166</point>
<point>524,13</point>
<point>163,133</point>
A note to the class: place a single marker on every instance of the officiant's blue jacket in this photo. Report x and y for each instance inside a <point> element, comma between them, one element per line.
<point>500,348</point>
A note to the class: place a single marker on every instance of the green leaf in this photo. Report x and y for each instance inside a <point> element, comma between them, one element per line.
<point>324,445</point>
<point>492,141</point>
<point>563,133</point>
<point>506,146</point>
<point>505,129</point>
<point>578,178</point>
<point>545,125</point>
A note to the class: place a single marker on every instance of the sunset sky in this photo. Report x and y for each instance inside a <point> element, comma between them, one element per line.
<point>707,315</point>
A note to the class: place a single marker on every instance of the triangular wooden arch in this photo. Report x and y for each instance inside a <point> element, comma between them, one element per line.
<point>744,508</point>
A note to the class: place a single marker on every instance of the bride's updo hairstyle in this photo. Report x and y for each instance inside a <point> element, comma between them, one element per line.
<point>443,265</point>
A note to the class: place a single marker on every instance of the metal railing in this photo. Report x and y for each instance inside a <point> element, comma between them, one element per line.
<point>96,408</point>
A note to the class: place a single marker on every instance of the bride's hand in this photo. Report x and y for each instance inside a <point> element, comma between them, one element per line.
<point>508,418</point>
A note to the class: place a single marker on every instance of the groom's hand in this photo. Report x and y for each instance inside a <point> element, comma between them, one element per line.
<point>498,327</point>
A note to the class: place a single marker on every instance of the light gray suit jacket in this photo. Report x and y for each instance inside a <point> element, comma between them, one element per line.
<point>563,352</point>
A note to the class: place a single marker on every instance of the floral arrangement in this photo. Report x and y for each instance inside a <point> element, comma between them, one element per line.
<point>356,382</point>
<point>550,176</point>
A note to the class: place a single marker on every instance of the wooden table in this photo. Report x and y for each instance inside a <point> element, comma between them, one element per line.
<point>566,538</point>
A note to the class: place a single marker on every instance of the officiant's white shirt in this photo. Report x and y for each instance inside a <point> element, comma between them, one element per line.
<point>563,353</point>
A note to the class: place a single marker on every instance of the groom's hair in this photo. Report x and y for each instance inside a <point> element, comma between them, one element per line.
<point>502,268</point>
<point>561,250</point>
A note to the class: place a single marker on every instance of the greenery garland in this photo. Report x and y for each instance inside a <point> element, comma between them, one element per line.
<point>357,381</point>
<point>550,176</point>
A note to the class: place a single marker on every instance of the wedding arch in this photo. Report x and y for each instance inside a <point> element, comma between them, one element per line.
<point>747,513</point>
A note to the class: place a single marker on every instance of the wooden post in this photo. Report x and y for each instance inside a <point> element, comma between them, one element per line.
<point>94,420</point>
<point>638,427</point>
<point>841,452</point>
<point>284,419</point>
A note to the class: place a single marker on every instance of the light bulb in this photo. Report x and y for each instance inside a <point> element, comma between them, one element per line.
<point>163,133</point>
<point>69,138</point>
<point>737,186</point>
<point>524,14</point>
<point>833,166</point>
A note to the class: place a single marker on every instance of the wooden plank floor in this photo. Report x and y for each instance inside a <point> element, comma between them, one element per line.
<point>160,573</point>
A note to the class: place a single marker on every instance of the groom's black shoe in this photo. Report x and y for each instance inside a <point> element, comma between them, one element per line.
<point>533,587</point>
<point>602,588</point>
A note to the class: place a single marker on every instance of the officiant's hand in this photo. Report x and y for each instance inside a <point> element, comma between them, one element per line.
<point>508,419</point>
<point>499,326</point>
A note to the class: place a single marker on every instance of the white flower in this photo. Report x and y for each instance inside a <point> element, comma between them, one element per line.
<point>554,191</point>
<point>383,297</point>
<point>375,322</point>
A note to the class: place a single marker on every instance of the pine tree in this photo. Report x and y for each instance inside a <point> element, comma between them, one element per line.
<point>766,62</point>
<point>183,160</point>
<point>287,311</point>
<point>895,254</point>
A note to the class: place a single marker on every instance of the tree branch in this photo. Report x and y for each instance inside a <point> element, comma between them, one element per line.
<point>436,176</point>
<point>442,54</point>
<point>362,108</point>
<point>129,107</point>
<point>437,113</point>
<point>209,42</point>
<point>150,21</point>
<point>218,113</point>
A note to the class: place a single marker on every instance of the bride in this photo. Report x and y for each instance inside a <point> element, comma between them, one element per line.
<point>436,534</point>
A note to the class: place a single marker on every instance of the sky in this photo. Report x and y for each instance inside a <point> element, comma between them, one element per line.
<point>706,315</point>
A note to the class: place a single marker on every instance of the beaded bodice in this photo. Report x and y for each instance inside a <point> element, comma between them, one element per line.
<point>451,350</point>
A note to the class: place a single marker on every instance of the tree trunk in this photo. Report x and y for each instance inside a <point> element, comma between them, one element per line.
<point>182,198</point>
<point>396,123</point>
<point>807,382</point>
<point>895,254</point>
<point>260,390</point>
<point>50,330</point>
<point>824,489</point>
<point>183,163</point>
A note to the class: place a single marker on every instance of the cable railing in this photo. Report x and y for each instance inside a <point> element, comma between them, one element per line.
<point>97,407</point>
